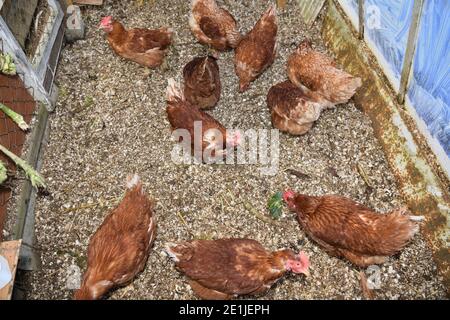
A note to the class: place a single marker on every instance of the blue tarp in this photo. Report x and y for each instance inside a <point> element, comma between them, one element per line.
<point>391,35</point>
<point>429,90</point>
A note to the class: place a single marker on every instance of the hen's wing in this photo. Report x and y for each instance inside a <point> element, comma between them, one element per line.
<point>142,40</point>
<point>211,28</point>
<point>293,110</point>
<point>347,225</point>
<point>202,82</point>
<point>183,115</point>
<point>224,265</point>
<point>319,73</point>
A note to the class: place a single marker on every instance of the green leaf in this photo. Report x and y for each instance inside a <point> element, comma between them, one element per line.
<point>7,65</point>
<point>35,178</point>
<point>275,205</point>
<point>17,118</point>
<point>3,175</point>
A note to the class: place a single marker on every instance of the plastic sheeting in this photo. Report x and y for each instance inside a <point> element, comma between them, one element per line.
<point>351,9</point>
<point>390,33</point>
<point>387,25</point>
<point>429,90</point>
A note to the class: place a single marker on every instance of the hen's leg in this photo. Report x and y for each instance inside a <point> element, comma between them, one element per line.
<point>207,294</point>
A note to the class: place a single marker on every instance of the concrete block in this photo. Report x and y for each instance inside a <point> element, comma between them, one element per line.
<point>74,25</point>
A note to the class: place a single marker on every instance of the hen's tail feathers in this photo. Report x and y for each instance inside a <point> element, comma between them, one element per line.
<point>170,33</point>
<point>234,37</point>
<point>171,249</point>
<point>174,91</point>
<point>404,211</point>
<point>133,180</point>
<point>347,89</point>
<point>134,183</point>
<point>317,97</point>
<point>271,11</point>
<point>406,224</point>
<point>179,251</point>
<point>417,218</point>
<point>304,46</point>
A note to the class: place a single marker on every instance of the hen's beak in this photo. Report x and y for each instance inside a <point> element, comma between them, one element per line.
<point>307,273</point>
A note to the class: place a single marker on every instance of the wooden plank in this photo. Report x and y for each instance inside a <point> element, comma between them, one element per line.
<point>10,251</point>
<point>310,10</point>
<point>24,228</point>
<point>361,18</point>
<point>410,50</point>
<point>91,2</point>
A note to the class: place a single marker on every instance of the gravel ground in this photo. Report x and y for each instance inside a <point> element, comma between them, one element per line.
<point>110,121</point>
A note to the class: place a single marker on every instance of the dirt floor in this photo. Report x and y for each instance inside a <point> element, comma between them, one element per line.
<point>110,121</point>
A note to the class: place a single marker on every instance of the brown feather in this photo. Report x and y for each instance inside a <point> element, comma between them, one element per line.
<point>182,115</point>
<point>143,46</point>
<point>318,72</point>
<point>202,82</point>
<point>294,109</point>
<point>348,229</point>
<point>120,247</point>
<point>257,50</point>
<point>213,26</point>
<point>229,267</point>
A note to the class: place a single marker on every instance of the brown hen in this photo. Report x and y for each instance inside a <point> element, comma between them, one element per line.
<point>120,247</point>
<point>213,26</point>
<point>257,50</point>
<point>319,73</point>
<point>347,229</point>
<point>202,82</point>
<point>294,109</point>
<point>143,46</point>
<point>212,140</point>
<point>221,269</point>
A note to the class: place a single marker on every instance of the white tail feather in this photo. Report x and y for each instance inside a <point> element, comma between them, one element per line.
<point>417,218</point>
<point>168,249</point>
<point>132,181</point>
<point>173,90</point>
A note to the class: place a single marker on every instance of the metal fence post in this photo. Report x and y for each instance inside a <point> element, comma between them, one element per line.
<point>361,14</point>
<point>410,50</point>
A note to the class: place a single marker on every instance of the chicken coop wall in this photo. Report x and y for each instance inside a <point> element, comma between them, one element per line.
<point>38,72</point>
<point>420,179</point>
<point>410,41</point>
<point>37,77</point>
<point>15,95</point>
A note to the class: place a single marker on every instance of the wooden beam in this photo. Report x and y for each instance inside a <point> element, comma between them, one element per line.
<point>10,251</point>
<point>90,2</point>
<point>410,50</point>
<point>310,9</point>
<point>24,228</point>
<point>361,14</point>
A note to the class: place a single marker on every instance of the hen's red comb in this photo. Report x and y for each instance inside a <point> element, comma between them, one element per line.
<point>288,195</point>
<point>106,20</point>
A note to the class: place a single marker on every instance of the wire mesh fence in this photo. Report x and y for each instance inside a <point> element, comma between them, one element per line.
<point>16,96</point>
<point>41,49</point>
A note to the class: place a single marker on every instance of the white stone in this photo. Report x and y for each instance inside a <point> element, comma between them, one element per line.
<point>74,24</point>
